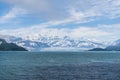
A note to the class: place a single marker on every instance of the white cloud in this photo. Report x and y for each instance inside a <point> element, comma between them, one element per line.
<point>13,13</point>
<point>44,9</point>
<point>101,33</point>
<point>60,12</point>
<point>54,9</point>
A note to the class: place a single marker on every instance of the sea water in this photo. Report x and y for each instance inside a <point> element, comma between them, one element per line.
<point>83,65</point>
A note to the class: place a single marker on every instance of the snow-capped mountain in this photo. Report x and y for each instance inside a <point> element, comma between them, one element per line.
<point>116,43</point>
<point>40,42</point>
<point>115,46</point>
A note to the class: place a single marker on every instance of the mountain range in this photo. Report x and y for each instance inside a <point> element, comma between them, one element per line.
<point>42,42</point>
<point>115,46</point>
<point>37,43</point>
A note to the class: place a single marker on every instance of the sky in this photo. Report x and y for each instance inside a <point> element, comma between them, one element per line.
<point>94,19</point>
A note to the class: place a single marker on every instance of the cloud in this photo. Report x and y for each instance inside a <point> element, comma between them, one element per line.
<point>44,9</point>
<point>13,13</point>
<point>54,9</point>
<point>63,12</point>
<point>100,33</point>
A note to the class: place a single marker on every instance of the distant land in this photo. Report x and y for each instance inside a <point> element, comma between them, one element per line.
<point>65,43</point>
<point>115,46</point>
<point>109,48</point>
<point>4,46</point>
<point>40,42</point>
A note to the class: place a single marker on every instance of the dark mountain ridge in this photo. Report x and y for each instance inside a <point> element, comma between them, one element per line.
<point>4,46</point>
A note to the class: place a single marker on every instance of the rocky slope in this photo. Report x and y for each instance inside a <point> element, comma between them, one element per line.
<point>4,46</point>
